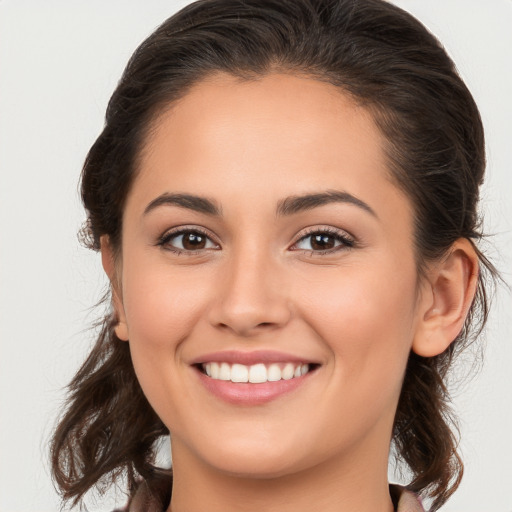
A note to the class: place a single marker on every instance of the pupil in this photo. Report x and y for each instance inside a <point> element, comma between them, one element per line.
<point>322,242</point>
<point>193,241</point>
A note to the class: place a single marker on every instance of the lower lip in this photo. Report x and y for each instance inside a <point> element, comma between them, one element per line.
<point>247,393</point>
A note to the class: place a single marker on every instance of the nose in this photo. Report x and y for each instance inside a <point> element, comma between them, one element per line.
<point>252,297</point>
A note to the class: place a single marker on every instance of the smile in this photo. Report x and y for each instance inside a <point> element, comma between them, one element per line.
<point>256,373</point>
<point>254,378</point>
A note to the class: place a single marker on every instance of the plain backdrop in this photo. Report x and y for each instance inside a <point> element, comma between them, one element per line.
<point>59,63</point>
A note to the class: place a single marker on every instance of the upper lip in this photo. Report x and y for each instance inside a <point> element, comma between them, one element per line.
<point>250,358</point>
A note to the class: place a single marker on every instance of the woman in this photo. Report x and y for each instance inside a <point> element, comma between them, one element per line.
<point>284,196</point>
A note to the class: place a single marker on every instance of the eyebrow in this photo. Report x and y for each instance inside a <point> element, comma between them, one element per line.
<point>296,204</point>
<point>189,201</point>
<point>288,206</point>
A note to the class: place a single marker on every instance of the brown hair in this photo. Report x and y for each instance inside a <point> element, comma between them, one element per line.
<point>386,60</point>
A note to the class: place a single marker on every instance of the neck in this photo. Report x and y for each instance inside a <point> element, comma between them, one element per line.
<point>349,483</point>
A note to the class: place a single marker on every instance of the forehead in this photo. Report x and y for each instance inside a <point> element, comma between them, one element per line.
<point>311,113</point>
<point>276,136</point>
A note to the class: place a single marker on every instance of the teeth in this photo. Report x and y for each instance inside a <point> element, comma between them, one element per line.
<point>214,370</point>
<point>288,371</point>
<point>225,372</point>
<point>239,373</point>
<point>256,374</point>
<point>273,373</point>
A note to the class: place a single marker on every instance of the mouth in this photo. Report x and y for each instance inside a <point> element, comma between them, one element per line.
<point>256,373</point>
<point>253,378</point>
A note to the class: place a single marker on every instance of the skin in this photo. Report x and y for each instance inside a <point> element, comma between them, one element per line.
<point>259,284</point>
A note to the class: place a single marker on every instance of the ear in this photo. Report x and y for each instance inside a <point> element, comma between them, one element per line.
<point>445,299</point>
<point>109,265</point>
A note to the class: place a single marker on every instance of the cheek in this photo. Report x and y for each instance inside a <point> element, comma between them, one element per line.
<point>366,318</point>
<point>162,309</point>
<point>161,306</point>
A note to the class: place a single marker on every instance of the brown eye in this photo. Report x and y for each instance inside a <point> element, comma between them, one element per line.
<point>324,241</point>
<point>192,241</point>
<point>187,240</point>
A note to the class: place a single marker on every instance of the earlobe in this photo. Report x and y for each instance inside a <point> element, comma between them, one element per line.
<point>108,262</point>
<point>121,329</point>
<point>446,300</point>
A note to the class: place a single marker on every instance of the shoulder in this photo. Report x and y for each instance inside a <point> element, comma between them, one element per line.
<point>405,501</point>
<point>152,495</point>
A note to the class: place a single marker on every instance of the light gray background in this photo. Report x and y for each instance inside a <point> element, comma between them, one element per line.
<point>59,62</point>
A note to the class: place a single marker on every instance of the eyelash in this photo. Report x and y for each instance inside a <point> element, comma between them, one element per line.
<point>346,241</point>
<point>164,240</point>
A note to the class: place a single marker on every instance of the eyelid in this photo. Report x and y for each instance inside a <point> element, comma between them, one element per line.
<point>348,241</point>
<point>180,230</point>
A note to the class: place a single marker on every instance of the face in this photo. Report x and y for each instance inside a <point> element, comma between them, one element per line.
<point>263,240</point>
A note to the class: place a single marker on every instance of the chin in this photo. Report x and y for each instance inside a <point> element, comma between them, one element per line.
<point>252,460</point>
<point>258,467</point>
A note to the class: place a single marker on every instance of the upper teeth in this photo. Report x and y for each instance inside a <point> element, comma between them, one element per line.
<point>257,373</point>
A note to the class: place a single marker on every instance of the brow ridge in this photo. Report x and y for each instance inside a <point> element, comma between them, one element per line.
<point>189,201</point>
<point>296,204</point>
<point>288,206</point>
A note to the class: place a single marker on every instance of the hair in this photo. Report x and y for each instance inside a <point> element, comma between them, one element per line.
<point>384,59</point>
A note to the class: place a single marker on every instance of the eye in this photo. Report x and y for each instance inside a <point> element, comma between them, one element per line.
<point>324,241</point>
<point>186,240</point>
